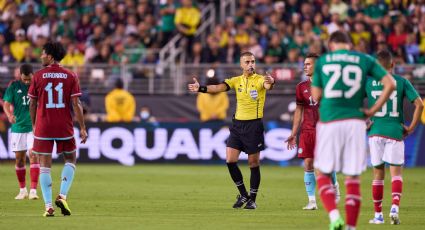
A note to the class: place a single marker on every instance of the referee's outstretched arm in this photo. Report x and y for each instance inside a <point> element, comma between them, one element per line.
<point>195,87</point>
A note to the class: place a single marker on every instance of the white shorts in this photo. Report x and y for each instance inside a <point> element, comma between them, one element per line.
<point>341,147</point>
<point>21,141</point>
<point>385,150</point>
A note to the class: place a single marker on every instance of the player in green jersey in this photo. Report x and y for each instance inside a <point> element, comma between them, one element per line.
<point>16,107</point>
<point>339,86</point>
<point>386,134</point>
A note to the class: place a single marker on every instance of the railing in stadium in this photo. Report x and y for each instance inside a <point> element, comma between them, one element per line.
<point>173,78</point>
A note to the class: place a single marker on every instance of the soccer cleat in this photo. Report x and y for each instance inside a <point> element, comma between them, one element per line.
<point>377,220</point>
<point>49,212</point>
<point>22,194</point>
<point>63,205</point>
<point>33,195</point>
<point>240,201</point>
<point>250,205</point>
<point>394,217</point>
<point>311,206</point>
<point>337,224</point>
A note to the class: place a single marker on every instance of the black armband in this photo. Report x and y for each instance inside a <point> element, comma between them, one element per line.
<point>202,89</point>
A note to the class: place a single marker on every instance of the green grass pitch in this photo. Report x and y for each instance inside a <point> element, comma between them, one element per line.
<point>192,197</point>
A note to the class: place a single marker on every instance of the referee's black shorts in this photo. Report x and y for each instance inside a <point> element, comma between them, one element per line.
<point>247,136</point>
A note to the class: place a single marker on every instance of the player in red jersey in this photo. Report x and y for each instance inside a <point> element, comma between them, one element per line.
<point>53,91</point>
<point>307,114</point>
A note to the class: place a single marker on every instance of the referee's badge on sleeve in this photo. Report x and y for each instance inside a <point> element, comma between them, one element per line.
<point>254,94</point>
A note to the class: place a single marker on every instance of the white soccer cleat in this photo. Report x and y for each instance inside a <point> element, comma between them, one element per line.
<point>33,195</point>
<point>378,219</point>
<point>23,193</point>
<point>311,206</point>
<point>394,216</point>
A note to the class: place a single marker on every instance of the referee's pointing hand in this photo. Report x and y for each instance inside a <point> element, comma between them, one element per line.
<point>195,86</point>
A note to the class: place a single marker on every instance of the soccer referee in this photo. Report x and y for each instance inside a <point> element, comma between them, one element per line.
<point>247,130</point>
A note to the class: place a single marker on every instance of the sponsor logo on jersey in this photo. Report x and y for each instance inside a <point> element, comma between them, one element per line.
<point>253,93</point>
<point>19,91</point>
<point>306,91</point>
<point>240,90</point>
<point>300,150</point>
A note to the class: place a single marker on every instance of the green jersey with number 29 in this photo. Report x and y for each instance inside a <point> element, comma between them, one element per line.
<point>388,122</point>
<point>16,95</point>
<point>342,77</point>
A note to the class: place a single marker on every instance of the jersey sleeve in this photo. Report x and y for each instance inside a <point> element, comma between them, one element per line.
<point>317,75</point>
<point>75,90</point>
<point>8,95</point>
<point>230,82</point>
<point>298,95</point>
<point>261,81</point>
<point>376,70</point>
<point>410,91</point>
<point>32,91</point>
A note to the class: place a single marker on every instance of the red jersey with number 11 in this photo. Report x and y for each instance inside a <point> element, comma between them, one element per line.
<point>311,107</point>
<point>53,87</point>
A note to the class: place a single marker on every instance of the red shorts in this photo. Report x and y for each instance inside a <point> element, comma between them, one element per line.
<point>306,145</point>
<point>45,147</point>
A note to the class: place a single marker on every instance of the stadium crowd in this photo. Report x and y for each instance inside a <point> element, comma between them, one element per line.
<point>275,31</point>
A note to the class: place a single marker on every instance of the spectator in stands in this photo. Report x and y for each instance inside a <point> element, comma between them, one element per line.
<point>211,53</point>
<point>398,37</point>
<point>412,49</point>
<point>29,56</point>
<point>28,14</point>
<point>167,12</point>
<point>375,11</point>
<point>360,32</point>
<point>38,28</point>
<point>73,57</point>
<point>212,107</point>
<point>83,29</point>
<point>17,47</point>
<point>145,115</point>
<point>120,104</point>
<point>104,55</point>
<point>339,7</point>
<point>230,53</point>
<point>6,55</point>
<point>187,20</point>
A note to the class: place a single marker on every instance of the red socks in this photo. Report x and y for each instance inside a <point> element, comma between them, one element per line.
<point>34,173</point>
<point>352,201</point>
<point>20,173</point>
<point>377,194</point>
<point>397,186</point>
<point>327,192</point>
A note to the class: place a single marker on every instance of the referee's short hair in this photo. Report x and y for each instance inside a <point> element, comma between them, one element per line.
<point>312,55</point>
<point>340,37</point>
<point>385,58</point>
<point>247,53</point>
<point>26,69</point>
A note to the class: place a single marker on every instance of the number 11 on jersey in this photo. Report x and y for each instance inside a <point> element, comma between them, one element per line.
<point>49,88</point>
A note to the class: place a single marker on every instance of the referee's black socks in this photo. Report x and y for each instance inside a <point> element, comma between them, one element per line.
<point>236,175</point>
<point>255,182</point>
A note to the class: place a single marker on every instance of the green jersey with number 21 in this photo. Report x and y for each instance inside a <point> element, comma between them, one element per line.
<point>342,77</point>
<point>388,122</point>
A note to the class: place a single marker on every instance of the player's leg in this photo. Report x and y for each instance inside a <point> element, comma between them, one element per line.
<point>19,148</point>
<point>232,157</point>
<point>44,148</point>
<point>396,189</point>
<point>254,165</point>
<point>354,163</point>
<point>310,184</point>
<point>394,155</point>
<point>68,150</point>
<point>327,160</point>
<point>377,147</point>
<point>34,174</point>
<point>20,169</point>
<point>34,167</point>
<point>306,152</point>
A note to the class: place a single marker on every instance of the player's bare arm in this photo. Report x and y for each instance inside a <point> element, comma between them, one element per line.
<point>78,109</point>
<point>196,87</point>
<point>316,93</point>
<point>292,139</point>
<point>33,110</point>
<point>416,116</point>
<point>7,107</point>
<point>268,81</point>
<point>389,86</point>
